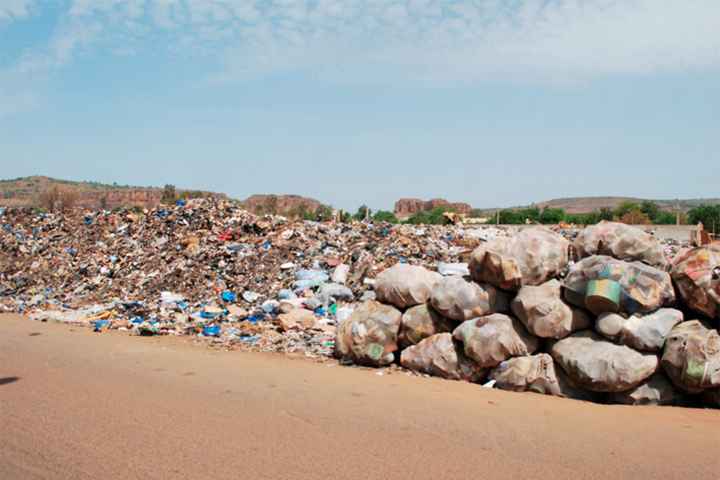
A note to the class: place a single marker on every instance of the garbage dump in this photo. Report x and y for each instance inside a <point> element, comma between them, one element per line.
<point>472,304</point>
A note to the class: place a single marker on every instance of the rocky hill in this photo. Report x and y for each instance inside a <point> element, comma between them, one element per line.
<point>589,204</point>
<point>406,207</point>
<point>26,191</point>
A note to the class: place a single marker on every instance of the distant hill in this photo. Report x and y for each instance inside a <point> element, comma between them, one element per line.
<point>25,192</point>
<point>589,204</point>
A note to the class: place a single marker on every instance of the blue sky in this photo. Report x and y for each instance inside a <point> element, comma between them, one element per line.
<point>492,102</point>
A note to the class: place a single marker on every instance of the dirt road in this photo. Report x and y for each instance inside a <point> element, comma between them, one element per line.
<point>78,405</point>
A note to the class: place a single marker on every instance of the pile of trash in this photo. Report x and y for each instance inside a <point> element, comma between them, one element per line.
<point>597,319</point>
<point>607,314</point>
<point>208,268</point>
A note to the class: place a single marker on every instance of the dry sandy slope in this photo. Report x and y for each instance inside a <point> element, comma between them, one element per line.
<point>110,406</point>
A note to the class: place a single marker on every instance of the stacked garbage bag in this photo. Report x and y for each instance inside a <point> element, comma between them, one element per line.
<point>597,319</point>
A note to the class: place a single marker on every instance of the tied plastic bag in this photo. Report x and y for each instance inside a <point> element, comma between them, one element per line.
<point>405,285</point>
<point>459,300</point>
<point>420,322</point>
<point>534,373</point>
<point>369,335</point>
<point>490,340</point>
<point>602,366</point>
<point>621,241</point>
<point>697,275</point>
<point>531,257</point>
<point>642,288</point>
<point>440,356</point>
<point>543,312</point>
<point>692,357</point>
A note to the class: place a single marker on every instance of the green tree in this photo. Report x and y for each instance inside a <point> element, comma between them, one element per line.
<point>551,216</point>
<point>323,213</point>
<point>664,218</point>
<point>430,217</point>
<point>650,209</point>
<point>510,217</point>
<point>362,213</point>
<point>385,216</point>
<point>625,208</point>
<point>709,215</point>
<point>605,214</point>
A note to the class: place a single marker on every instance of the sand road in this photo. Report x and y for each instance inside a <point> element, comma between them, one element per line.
<point>79,405</point>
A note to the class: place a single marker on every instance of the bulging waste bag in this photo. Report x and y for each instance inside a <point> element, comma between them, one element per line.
<point>602,366</point>
<point>697,275</point>
<point>369,335</point>
<point>628,287</point>
<point>491,339</point>
<point>531,257</point>
<point>534,373</point>
<point>405,285</point>
<point>420,322</point>
<point>692,357</point>
<point>544,313</point>
<point>657,390</point>
<point>440,356</point>
<point>460,300</point>
<point>642,332</point>
<point>621,241</point>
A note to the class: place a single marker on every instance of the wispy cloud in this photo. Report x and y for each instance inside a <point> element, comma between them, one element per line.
<point>14,9</point>
<point>443,41</point>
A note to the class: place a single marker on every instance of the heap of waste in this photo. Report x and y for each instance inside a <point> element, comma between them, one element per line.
<point>209,269</point>
<point>528,317</point>
<point>592,315</point>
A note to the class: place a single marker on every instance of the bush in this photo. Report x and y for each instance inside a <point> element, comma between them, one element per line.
<point>551,216</point>
<point>709,215</point>
<point>385,216</point>
<point>430,217</point>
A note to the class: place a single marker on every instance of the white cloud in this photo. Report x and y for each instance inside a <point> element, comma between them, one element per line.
<point>12,9</point>
<point>438,41</point>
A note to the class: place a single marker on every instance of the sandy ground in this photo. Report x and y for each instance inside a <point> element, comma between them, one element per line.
<point>79,405</point>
